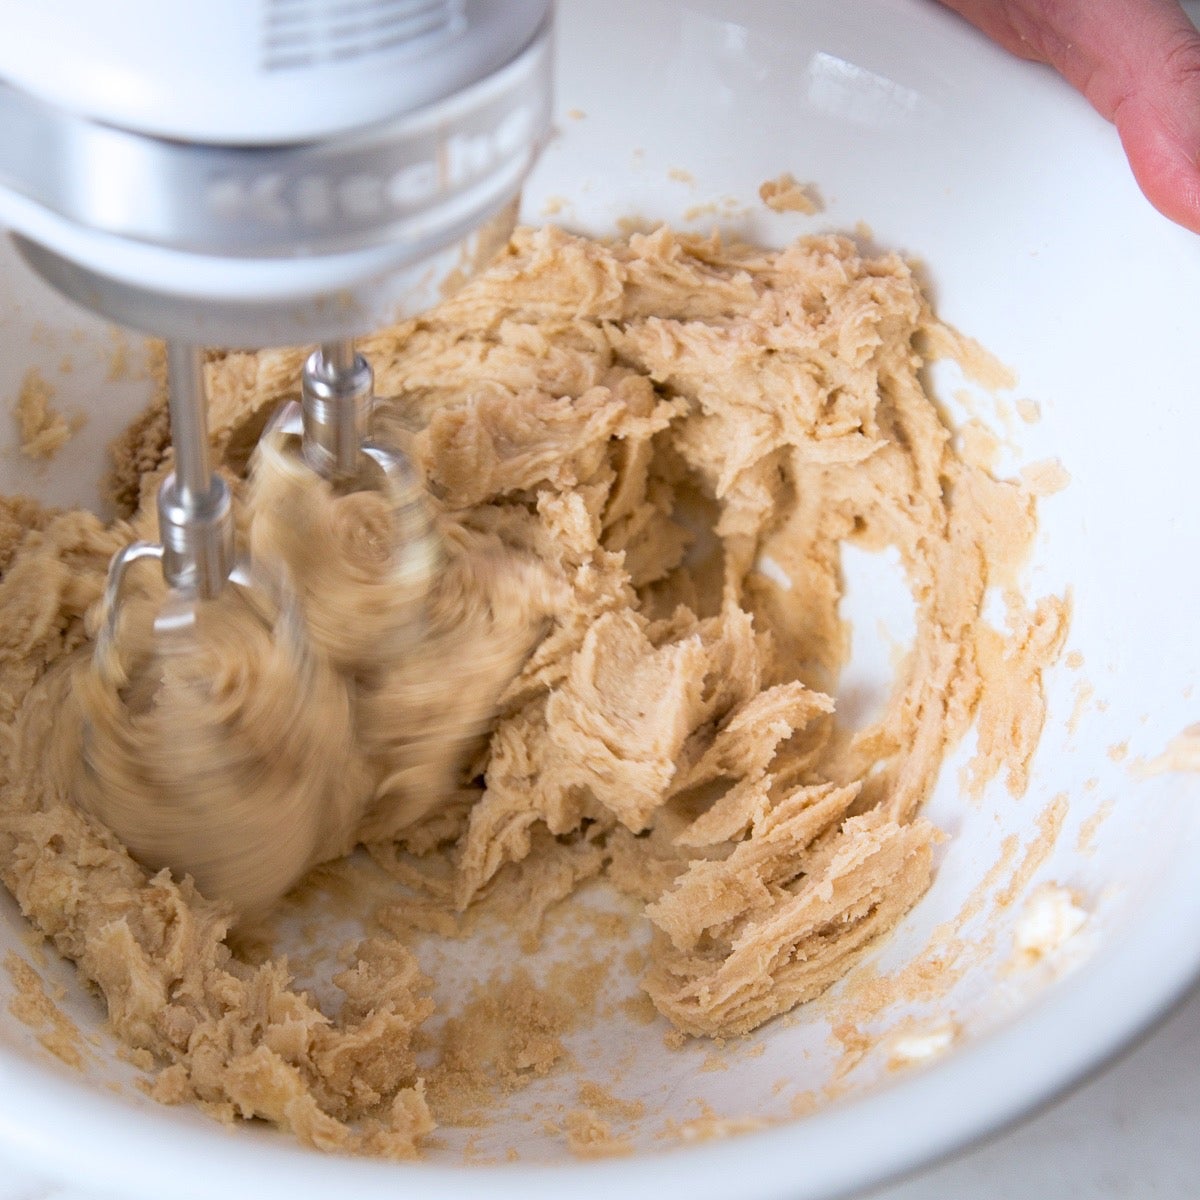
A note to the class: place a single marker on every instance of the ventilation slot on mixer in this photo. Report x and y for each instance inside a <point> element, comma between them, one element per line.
<point>307,33</point>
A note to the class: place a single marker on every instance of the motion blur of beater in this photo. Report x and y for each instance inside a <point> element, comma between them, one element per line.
<point>235,175</point>
<point>240,176</point>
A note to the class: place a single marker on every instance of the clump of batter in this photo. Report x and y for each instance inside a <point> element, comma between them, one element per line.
<point>643,458</point>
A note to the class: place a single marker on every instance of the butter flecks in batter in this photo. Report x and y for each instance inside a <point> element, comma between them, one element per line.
<point>637,424</point>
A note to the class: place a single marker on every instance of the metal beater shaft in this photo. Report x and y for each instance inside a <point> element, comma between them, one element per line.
<point>337,399</point>
<point>195,515</point>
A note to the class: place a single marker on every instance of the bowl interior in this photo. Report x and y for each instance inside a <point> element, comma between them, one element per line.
<point>918,136</point>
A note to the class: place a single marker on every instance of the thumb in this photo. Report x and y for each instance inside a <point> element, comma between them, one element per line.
<point>1137,61</point>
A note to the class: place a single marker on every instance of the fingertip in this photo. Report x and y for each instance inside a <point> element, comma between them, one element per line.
<point>1165,163</point>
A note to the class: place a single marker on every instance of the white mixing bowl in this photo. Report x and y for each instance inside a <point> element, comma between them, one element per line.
<point>1036,242</point>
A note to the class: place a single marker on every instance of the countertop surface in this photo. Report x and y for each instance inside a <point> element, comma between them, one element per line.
<point>1130,1132</point>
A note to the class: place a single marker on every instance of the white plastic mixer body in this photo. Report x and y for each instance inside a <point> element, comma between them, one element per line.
<point>243,174</point>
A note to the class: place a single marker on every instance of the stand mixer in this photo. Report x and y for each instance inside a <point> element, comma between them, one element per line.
<point>238,175</point>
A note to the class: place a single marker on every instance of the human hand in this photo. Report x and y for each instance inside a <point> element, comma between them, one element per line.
<point>1137,61</point>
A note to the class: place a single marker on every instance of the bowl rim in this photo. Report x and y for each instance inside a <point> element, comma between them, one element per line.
<point>1036,1057</point>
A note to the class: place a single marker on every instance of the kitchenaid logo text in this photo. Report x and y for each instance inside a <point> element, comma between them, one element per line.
<point>358,190</point>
